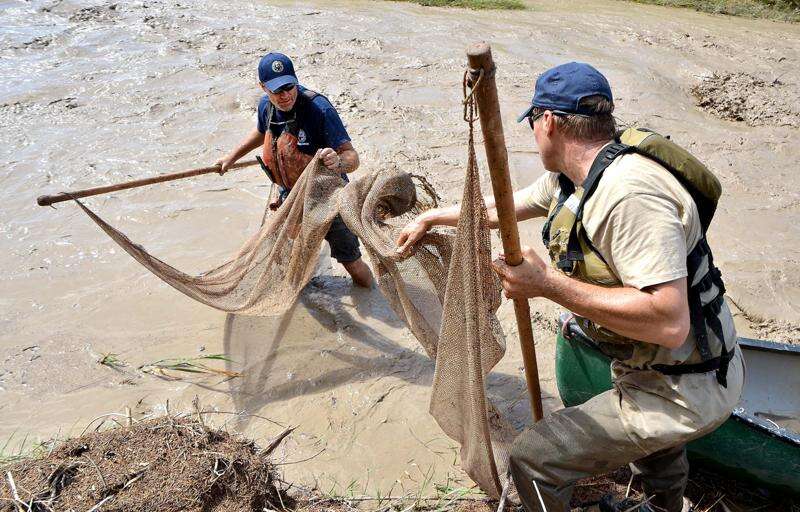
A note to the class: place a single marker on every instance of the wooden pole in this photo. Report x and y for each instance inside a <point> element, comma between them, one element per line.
<point>66,196</point>
<point>479,57</point>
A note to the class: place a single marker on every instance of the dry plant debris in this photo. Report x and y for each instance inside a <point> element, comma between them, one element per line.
<point>165,464</point>
<point>112,361</point>
<point>163,367</point>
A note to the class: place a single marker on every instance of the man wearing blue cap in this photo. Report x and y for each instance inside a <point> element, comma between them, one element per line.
<point>294,123</point>
<point>630,262</point>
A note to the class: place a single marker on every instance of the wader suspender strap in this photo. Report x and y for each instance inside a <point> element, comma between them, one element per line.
<point>261,162</point>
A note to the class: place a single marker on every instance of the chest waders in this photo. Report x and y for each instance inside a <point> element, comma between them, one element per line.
<point>572,252</point>
<point>282,159</point>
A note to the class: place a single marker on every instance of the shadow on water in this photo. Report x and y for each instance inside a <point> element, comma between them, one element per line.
<point>332,336</point>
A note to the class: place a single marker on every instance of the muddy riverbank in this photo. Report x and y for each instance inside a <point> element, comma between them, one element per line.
<point>100,92</point>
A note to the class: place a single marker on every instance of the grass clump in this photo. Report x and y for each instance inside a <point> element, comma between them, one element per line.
<point>9,456</point>
<point>112,361</point>
<point>473,4</point>
<point>781,10</point>
<point>164,367</point>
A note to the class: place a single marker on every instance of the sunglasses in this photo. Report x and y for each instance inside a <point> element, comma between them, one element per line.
<point>535,117</point>
<point>285,88</point>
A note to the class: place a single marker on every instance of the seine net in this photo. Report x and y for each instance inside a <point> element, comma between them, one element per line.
<point>446,292</point>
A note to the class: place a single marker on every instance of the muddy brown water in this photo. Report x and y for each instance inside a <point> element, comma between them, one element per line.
<point>96,93</point>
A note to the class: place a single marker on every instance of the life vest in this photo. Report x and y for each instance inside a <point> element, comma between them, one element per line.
<point>283,160</point>
<point>572,252</point>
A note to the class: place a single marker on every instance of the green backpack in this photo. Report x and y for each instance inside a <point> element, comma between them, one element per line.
<point>576,255</point>
<point>701,183</point>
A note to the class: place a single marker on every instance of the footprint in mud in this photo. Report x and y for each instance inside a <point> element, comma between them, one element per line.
<point>94,13</point>
<point>157,22</point>
<point>37,43</point>
<point>67,103</point>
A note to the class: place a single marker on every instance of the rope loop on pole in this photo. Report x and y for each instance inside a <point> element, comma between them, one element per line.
<point>471,83</point>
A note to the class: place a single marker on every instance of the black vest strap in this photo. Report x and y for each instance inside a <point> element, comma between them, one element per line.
<point>566,189</point>
<point>705,317</point>
<point>601,162</point>
<point>682,369</point>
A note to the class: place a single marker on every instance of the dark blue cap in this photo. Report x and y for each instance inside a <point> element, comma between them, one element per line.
<point>563,87</point>
<point>276,70</point>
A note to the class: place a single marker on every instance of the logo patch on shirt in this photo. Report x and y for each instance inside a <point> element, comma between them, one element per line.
<point>277,66</point>
<point>302,138</point>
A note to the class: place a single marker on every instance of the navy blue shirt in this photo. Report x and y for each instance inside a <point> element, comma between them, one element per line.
<point>319,124</point>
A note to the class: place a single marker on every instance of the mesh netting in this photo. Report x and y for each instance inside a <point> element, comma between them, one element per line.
<point>445,292</point>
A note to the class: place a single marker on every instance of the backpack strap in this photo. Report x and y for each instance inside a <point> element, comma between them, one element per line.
<point>566,189</point>
<point>705,317</point>
<point>600,164</point>
<point>270,111</point>
<point>309,94</point>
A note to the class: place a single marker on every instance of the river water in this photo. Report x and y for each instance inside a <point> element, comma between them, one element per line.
<point>96,93</point>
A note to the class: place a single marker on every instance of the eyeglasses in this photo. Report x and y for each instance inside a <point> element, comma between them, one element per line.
<point>285,88</point>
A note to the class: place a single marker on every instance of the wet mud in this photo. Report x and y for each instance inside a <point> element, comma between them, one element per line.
<point>94,93</point>
<point>754,101</point>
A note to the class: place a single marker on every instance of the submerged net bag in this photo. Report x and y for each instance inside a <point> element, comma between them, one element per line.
<point>446,292</point>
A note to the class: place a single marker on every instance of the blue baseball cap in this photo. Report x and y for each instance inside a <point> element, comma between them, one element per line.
<point>276,70</point>
<point>563,87</point>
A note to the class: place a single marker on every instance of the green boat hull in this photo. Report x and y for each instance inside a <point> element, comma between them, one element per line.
<point>744,447</point>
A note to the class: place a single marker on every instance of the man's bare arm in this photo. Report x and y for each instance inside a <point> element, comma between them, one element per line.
<point>251,141</point>
<point>349,157</point>
<point>656,314</point>
<point>342,159</point>
<point>416,229</point>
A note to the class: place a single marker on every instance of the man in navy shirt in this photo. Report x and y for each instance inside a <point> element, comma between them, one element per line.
<point>293,124</point>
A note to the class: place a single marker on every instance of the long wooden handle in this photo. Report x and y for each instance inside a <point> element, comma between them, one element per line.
<point>66,196</point>
<point>479,57</point>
